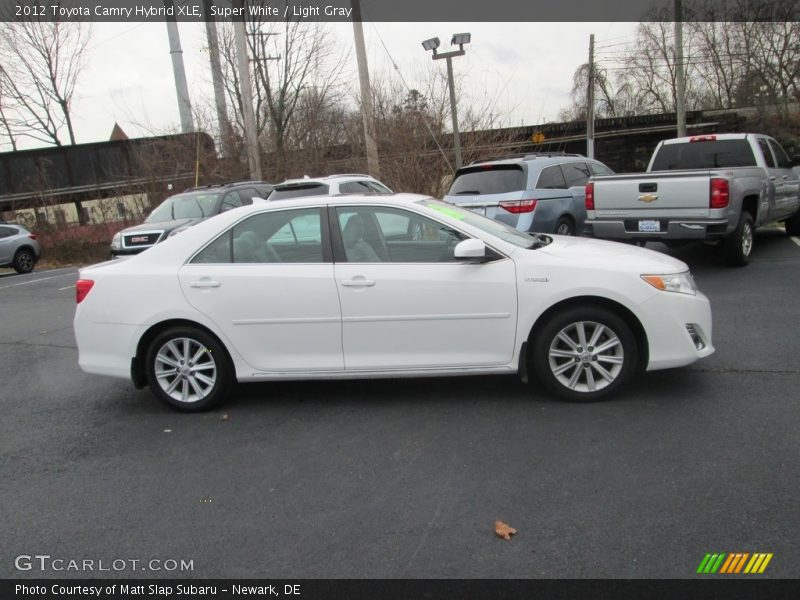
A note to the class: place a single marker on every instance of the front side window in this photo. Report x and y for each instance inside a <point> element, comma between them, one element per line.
<point>764,147</point>
<point>291,236</point>
<point>232,200</point>
<point>780,155</point>
<point>378,234</point>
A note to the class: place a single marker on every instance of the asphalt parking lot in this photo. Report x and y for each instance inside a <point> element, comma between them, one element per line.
<point>404,478</point>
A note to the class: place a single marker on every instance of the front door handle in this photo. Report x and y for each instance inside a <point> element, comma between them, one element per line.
<point>205,283</point>
<point>358,282</point>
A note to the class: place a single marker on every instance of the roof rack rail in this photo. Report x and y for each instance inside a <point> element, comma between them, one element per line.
<point>348,175</point>
<point>548,154</point>
<point>524,155</point>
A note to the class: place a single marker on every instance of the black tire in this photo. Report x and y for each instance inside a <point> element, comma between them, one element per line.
<point>24,260</point>
<point>565,226</point>
<point>619,361</point>
<point>738,247</point>
<point>208,360</point>
<point>792,224</point>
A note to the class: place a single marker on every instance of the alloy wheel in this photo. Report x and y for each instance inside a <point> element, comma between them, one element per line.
<point>586,356</point>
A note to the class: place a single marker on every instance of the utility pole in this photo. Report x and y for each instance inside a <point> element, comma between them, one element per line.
<point>456,134</point>
<point>184,105</point>
<point>216,78</point>
<point>590,102</point>
<point>373,165</point>
<point>680,84</point>
<point>249,117</point>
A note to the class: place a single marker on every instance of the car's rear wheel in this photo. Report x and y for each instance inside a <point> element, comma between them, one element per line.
<point>738,246</point>
<point>565,227</point>
<point>188,369</point>
<point>584,353</point>
<point>24,260</point>
<point>792,224</point>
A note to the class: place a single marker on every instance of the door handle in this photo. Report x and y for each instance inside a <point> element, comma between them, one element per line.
<point>205,283</point>
<point>358,283</point>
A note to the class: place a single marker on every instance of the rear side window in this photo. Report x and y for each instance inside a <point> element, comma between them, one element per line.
<point>576,173</point>
<point>299,191</point>
<point>489,179</point>
<point>551,178</point>
<point>764,147</point>
<point>598,169</point>
<point>355,187</point>
<point>7,232</point>
<point>704,155</point>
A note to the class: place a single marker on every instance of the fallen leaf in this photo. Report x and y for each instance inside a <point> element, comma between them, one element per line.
<point>504,530</point>
<point>225,417</point>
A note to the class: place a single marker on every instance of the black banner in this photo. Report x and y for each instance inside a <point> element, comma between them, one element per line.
<point>451,11</point>
<point>727,588</point>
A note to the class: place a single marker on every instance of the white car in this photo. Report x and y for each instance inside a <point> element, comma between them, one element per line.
<point>332,185</point>
<point>383,286</point>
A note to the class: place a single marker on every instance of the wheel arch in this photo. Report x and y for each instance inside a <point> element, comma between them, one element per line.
<point>137,362</point>
<point>642,343</point>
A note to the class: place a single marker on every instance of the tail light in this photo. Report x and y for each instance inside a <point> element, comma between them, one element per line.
<point>518,206</point>
<point>590,195</point>
<point>32,236</point>
<point>720,193</point>
<point>703,138</point>
<point>82,288</point>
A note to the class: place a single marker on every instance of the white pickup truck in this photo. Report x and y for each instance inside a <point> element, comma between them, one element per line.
<point>707,187</point>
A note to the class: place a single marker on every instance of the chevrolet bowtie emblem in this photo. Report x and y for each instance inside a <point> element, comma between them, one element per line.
<point>648,197</point>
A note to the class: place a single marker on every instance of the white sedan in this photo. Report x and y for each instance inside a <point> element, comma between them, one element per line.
<point>383,286</point>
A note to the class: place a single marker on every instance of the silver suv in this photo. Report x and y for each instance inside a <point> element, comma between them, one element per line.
<point>535,192</point>
<point>18,248</point>
<point>332,185</point>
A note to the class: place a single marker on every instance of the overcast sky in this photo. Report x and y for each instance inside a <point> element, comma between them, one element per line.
<point>528,66</point>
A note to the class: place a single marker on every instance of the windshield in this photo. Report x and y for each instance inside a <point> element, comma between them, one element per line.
<point>495,228</point>
<point>184,206</point>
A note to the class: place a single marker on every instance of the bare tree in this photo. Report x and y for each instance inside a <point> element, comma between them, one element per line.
<point>40,63</point>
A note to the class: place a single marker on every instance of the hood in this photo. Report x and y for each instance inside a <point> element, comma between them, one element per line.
<point>605,254</point>
<point>163,225</point>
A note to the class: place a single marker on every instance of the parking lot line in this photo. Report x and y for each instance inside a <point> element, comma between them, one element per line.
<point>37,280</point>
<point>795,239</point>
<point>69,287</point>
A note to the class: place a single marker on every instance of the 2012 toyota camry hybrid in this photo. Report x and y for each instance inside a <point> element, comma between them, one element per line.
<point>383,286</point>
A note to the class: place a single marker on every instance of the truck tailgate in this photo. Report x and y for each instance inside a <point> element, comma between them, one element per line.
<point>656,194</point>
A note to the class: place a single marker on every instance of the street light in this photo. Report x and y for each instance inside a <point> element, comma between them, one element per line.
<point>459,39</point>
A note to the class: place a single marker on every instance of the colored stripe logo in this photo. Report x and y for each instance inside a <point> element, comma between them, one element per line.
<point>734,562</point>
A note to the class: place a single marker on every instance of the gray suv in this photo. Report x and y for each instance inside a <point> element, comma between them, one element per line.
<point>541,193</point>
<point>18,248</point>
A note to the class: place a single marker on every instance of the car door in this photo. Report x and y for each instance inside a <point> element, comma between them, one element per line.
<point>268,284</point>
<point>788,178</point>
<point>776,187</point>
<point>7,244</point>
<point>408,304</point>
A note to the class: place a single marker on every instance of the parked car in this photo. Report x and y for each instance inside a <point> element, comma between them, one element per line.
<point>336,287</point>
<point>537,192</point>
<point>707,187</point>
<point>181,211</point>
<point>18,248</point>
<point>332,185</point>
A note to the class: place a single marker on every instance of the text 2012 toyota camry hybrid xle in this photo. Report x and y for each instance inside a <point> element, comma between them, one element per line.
<point>384,286</point>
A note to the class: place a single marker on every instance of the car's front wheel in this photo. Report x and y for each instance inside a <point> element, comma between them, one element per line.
<point>188,369</point>
<point>584,353</point>
<point>24,261</point>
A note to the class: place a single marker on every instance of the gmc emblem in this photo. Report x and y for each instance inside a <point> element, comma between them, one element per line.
<point>139,238</point>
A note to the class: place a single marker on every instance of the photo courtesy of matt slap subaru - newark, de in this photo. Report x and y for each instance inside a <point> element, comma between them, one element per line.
<point>347,287</point>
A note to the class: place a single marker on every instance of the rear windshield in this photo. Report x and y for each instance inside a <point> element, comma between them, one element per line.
<point>184,206</point>
<point>704,155</point>
<point>298,191</point>
<point>494,179</point>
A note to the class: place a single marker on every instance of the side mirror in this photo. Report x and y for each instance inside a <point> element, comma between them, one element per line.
<point>470,250</point>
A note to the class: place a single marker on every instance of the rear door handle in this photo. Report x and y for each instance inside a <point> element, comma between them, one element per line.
<point>358,283</point>
<point>205,283</point>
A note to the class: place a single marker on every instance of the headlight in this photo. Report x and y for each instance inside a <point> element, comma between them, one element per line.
<point>177,231</point>
<point>116,241</point>
<point>683,283</point>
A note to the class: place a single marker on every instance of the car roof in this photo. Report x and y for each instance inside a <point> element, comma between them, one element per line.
<point>542,158</point>
<point>335,200</point>
<point>229,185</point>
<point>327,179</point>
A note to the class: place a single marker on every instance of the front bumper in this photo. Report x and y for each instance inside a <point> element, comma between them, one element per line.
<point>670,229</point>
<point>673,323</point>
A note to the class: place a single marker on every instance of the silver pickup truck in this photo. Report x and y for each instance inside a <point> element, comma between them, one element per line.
<point>708,187</point>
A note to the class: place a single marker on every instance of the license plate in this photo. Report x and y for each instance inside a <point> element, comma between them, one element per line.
<point>481,210</point>
<point>649,226</point>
